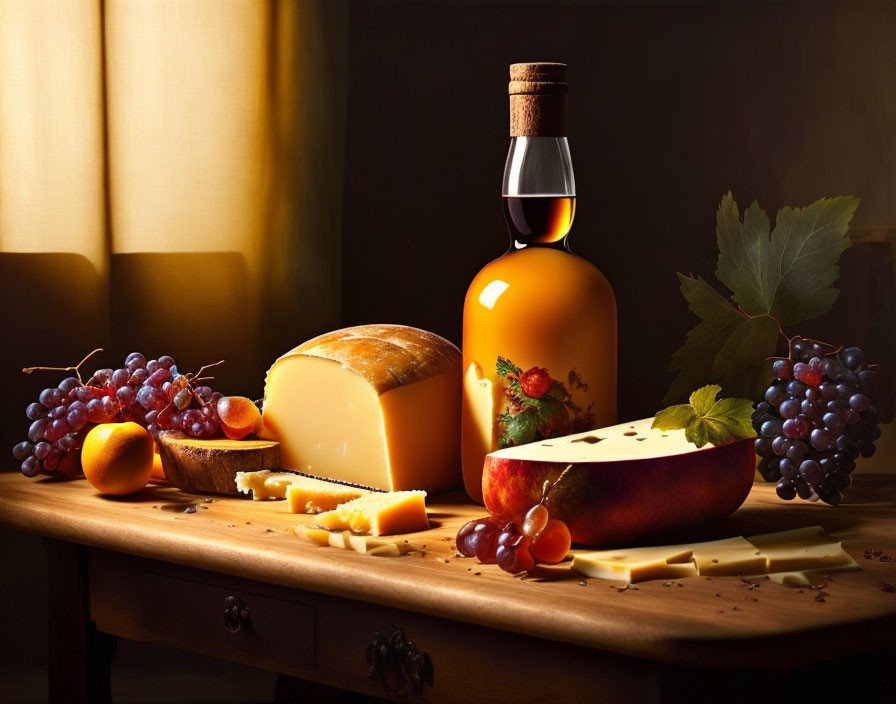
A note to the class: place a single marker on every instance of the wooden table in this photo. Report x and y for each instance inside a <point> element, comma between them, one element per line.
<point>158,566</point>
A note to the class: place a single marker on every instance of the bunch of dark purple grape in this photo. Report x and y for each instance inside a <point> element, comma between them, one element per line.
<point>815,422</point>
<point>152,393</point>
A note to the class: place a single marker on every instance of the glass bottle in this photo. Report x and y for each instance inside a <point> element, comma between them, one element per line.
<point>539,333</point>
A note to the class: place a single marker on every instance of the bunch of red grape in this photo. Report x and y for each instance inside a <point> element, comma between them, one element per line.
<point>815,421</point>
<point>152,393</point>
<point>516,549</point>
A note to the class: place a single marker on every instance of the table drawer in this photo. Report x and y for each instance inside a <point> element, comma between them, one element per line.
<point>213,619</point>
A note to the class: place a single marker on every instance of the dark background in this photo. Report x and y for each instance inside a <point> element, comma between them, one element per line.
<point>671,105</point>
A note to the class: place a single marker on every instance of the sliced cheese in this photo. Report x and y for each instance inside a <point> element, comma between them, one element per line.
<point>348,541</point>
<point>788,557</point>
<point>377,405</point>
<point>806,578</point>
<point>728,557</point>
<point>637,564</point>
<point>303,494</point>
<point>379,514</point>
<point>803,548</point>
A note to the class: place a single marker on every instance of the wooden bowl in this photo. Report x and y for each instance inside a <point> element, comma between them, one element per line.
<point>210,466</point>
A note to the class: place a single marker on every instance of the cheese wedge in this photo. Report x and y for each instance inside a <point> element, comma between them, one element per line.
<point>803,548</point>
<point>728,557</point>
<point>303,494</point>
<point>379,514</point>
<point>637,564</point>
<point>376,405</point>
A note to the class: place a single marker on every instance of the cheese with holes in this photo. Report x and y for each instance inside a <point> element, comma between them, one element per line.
<point>376,405</point>
<point>379,514</point>
<point>788,557</point>
<point>800,549</point>
<point>728,557</point>
<point>637,564</point>
<point>302,494</point>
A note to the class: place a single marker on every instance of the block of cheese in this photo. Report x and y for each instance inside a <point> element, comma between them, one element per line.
<point>363,544</point>
<point>376,405</point>
<point>728,557</point>
<point>379,514</point>
<point>803,548</point>
<point>303,494</point>
<point>637,564</point>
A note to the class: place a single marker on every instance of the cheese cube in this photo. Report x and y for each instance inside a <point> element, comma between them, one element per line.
<point>376,405</point>
<point>379,514</point>
<point>637,564</point>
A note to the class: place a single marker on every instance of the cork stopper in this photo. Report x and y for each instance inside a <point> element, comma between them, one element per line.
<point>538,99</point>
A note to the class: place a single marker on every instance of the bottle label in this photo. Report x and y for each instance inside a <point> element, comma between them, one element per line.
<point>540,407</point>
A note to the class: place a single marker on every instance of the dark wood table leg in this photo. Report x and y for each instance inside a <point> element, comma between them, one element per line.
<point>80,656</point>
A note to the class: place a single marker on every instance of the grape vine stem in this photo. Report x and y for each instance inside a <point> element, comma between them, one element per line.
<point>76,369</point>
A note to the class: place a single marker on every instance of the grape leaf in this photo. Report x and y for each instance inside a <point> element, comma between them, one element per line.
<point>706,420</point>
<point>786,274</point>
<point>519,429</point>
<point>725,346</point>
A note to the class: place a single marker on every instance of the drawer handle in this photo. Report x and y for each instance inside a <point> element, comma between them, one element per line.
<point>236,614</point>
<point>397,664</point>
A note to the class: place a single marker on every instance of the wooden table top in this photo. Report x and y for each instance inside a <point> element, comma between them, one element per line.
<point>718,621</point>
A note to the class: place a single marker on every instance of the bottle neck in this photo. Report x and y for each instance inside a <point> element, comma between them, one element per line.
<point>539,192</point>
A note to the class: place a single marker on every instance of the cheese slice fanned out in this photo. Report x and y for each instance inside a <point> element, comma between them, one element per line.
<point>303,494</point>
<point>787,557</point>
<point>379,514</point>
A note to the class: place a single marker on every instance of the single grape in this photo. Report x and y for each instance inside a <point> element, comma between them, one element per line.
<point>466,531</point>
<point>786,489</point>
<point>209,428</point>
<point>789,408</point>
<point>771,428</point>
<point>152,365</point>
<point>788,469</point>
<point>42,449</point>
<point>35,411</point>
<point>126,395</point>
<point>85,394</point>
<point>120,377</point>
<point>57,429</point>
<point>52,460</point>
<point>77,415</point>
<point>803,490</point>
<point>859,402</point>
<point>552,544</point>
<point>182,399</point>
<point>195,430</point>
<point>151,398</point>
<point>58,412</point>
<point>205,392</point>
<point>37,429</point>
<point>867,449</point>
<point>516,558</point>
<point>134,361</point>
<point>95,412</point>
<point>158,377</point>
<point>535,521</point>
<point>775,394</point>
<point>68,384</point>
<point>166,361</point>
<point>866,380</point>
<point>484,542</point>
<point>779,445</point>
<point>783,369</point>
<point>810,410</point>
<point>67,442</point>
<point>22,450</point>
<point>31,467</point>
<point>795,428</point>
<point>820,439</point>
<point>810,376</point>
<point>763,447</point>
<point>101,376</point>
<point>796,453</point>
<point>50,397</point>
<point>509,534</point>
<point>853,358</point>
<point>833,421</point>
<point>138,376</point>
<point>828,390</point>
<point>811,472</point>
<point>111,407</point>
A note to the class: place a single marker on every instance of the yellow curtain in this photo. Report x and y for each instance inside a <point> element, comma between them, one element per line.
<point>170,182</point>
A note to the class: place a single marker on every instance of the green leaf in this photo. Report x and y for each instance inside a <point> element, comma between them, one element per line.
<point>706,420</point>
<point>503,367</point>
<point>725,347</point>
<point>674,417</point>
<point>519,429</point>
<point>786,274</point>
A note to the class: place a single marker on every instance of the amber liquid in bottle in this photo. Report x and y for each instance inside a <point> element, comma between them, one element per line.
<point>537,306</point>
